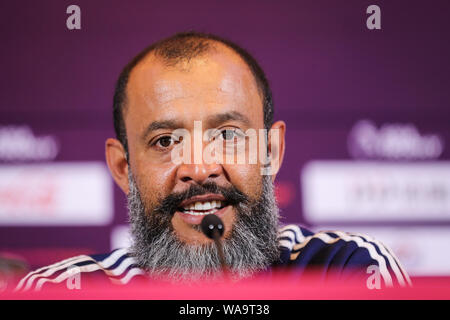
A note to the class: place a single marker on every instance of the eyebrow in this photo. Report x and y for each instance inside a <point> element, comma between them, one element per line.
<point>218,119</point>
<point>163,124</point>
<point>212,121</point>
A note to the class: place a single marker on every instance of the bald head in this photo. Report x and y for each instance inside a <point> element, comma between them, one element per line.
<point>183,51</point>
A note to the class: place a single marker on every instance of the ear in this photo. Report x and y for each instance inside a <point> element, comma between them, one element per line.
<point>276,146</point>
<point>117,163</point>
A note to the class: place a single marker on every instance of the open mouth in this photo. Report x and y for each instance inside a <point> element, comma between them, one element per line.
<point>201,208</point>
<point>193,210</point>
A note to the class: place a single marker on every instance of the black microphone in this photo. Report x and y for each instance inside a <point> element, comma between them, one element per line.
<point>213,228</point>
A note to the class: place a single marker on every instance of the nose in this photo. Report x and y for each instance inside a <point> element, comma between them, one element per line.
<point>198,173</point>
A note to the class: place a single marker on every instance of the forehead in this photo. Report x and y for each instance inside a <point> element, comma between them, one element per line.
<point>216,81</point>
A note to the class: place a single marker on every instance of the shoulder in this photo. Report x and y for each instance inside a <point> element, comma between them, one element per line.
<point>340,251</point>
<point>116,267</point>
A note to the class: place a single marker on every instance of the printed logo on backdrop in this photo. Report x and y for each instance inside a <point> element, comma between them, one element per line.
<point>392,184</point>
<point>393,141</point>
<point>36,190</point>
<point>368,191</point>
<point>53,194</point>
<point>20,144</point>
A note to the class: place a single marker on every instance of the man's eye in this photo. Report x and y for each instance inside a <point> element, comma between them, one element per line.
<point>165,142</point>
<point>229,134</point>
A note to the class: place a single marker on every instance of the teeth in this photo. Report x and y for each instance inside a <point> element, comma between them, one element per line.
<point>202,206</point>
<point>207,206</point>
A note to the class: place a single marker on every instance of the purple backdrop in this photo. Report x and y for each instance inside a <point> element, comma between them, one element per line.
<point>326,69</point>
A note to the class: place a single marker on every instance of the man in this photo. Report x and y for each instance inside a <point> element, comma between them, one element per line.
<point>195,85</point>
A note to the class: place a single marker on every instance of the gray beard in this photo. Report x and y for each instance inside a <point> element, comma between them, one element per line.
<point>251,247</point>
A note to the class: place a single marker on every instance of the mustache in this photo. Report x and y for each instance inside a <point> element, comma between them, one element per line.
<point>233,196</point>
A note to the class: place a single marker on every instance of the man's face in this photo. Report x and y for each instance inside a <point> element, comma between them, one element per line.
<point>217,89</point>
